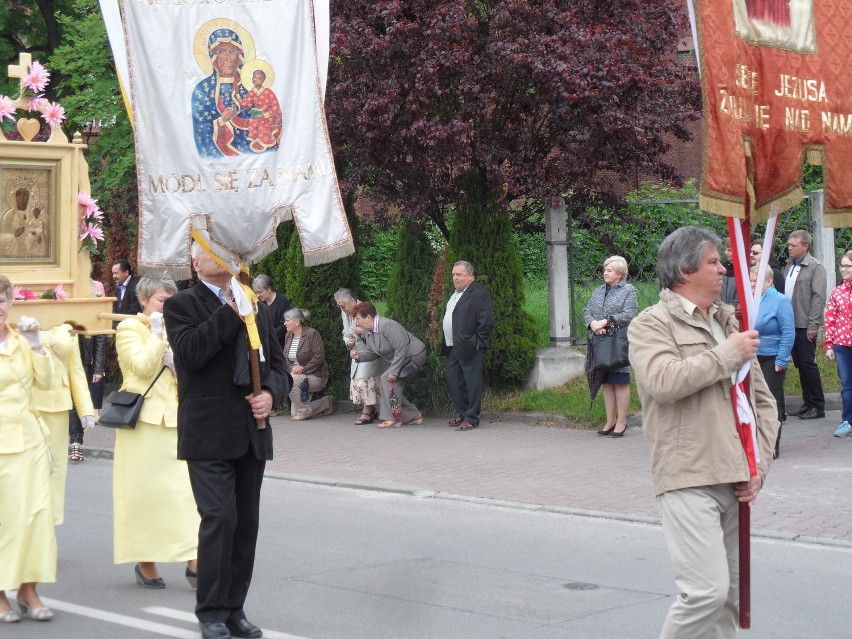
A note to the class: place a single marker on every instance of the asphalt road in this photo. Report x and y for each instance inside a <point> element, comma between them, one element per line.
<point>338,562</point>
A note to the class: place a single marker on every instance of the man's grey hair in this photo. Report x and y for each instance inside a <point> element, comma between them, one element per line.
<point>147,286</point>
<point>196,251</point>
<point>468,267</point>
<point>344,295</point>
<point>681,253</point>
<point>263,282</point>
<point>803,236</point>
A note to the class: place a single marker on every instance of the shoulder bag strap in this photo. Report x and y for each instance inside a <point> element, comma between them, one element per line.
<point>154,382</point>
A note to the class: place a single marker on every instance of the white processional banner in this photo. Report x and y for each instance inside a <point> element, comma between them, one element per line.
<point>230,131</point>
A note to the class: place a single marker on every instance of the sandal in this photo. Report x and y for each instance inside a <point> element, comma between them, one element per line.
<point>457,421</point>
<point>467,426</point>
<point>389,424</point>
<point>76,453</point>
<point>366,418</point>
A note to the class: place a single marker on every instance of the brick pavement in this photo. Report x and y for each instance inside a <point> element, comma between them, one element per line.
<point>807,495</point>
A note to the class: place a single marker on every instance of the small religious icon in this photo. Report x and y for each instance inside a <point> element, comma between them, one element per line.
<point>264,127</point>
<point>782,24</point>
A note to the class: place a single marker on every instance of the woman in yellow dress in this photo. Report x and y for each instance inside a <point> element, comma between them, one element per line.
<point>70,390</point>
<point>27,539</point>
<point>155,517</point>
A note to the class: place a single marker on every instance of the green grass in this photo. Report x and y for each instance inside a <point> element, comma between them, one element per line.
<point>572,400</point>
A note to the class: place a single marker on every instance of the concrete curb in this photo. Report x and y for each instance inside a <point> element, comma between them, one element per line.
<point>425,493</point>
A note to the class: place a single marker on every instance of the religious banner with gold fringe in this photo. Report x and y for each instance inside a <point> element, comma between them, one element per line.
<point>227,106</point>
<point>777,85</point>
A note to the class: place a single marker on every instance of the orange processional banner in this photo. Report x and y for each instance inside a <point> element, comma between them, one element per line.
<point>777,86</point>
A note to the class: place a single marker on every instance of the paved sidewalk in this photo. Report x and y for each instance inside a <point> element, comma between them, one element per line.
<point>808,495</point>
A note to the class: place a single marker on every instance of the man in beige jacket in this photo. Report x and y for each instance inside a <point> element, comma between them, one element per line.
<point>685,351</point>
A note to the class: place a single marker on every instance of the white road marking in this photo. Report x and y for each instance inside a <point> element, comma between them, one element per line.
<point>121,620</point>
<point>182,615</point>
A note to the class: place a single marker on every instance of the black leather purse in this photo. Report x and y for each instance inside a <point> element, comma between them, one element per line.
<point>121,409</point>
<point>610,350</point>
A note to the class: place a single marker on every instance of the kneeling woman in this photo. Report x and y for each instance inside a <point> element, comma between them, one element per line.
<point>305,355</point>
<point>383,338</point>
<point>155,517</point>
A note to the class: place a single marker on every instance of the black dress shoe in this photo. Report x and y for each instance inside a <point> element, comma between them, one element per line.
<point>606,431</point>
<point>243,628</point>
<point>813,413</point>
<point>804,409</point>
<point>216,630</point>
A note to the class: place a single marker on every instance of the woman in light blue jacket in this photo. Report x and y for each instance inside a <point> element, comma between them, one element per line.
<point>777,328</point>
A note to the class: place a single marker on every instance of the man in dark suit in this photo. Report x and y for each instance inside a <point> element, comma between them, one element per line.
<point>125,289</point>
<point>468,321</point>
<point>218,436</point>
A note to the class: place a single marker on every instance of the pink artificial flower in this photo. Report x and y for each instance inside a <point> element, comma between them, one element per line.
<point>36,103</point>
<point>7,109</point>
<point>97,214</point>
<point>37,77</point>
<point>53,114</point>
<point>93,231</point>
<point>23,293</point>
<point>89,203</point>
<point>60,292</point>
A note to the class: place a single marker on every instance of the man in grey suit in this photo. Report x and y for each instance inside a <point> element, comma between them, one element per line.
<point>468,322</point>
<point>805,286</point>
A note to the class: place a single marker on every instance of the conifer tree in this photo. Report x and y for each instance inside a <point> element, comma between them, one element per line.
<point>410,280</point>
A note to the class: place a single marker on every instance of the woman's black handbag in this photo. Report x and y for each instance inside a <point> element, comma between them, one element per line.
<point>121,409</point>
<point>610,349</point>
<point>409,371</point>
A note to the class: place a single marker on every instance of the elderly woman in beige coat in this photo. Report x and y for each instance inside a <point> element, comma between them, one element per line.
<point>27,538</point>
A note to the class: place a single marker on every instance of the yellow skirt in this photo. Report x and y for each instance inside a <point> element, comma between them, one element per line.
<point>57,438</point>
<point>27,539</point>
<point>154,513</point>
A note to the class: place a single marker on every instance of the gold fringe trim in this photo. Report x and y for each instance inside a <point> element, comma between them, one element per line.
<point>777,205</point>
<point>838,218</point>
<point>330,254</point>
<point>265,248</point>
<point>721,206</point>
<point>175,273</point>
<point>814,156</point>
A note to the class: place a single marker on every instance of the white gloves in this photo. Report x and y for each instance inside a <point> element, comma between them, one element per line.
<point>88,422</point>
<point>29,328</point>
<point>156,321</point>
<point>169,360</point>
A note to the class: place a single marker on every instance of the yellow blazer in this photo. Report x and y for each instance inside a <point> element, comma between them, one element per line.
<point>140,355</point>
<point>70,383</point>
<point>19,428</point>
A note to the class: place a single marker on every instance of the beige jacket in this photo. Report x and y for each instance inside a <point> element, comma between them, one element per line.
<point>684,383</point>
